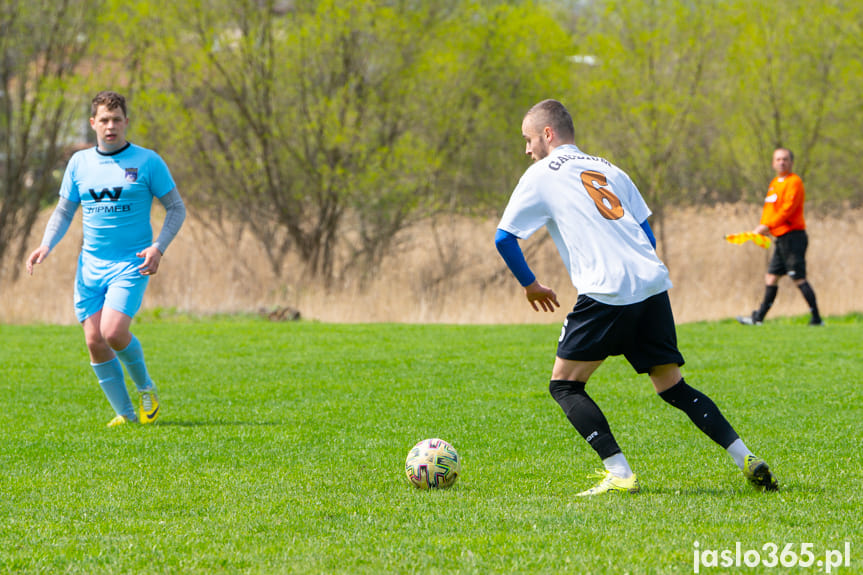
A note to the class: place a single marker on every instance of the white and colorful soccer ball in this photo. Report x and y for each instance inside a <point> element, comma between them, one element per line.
<point>433,464</point>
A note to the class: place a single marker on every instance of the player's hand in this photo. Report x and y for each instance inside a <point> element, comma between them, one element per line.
<point>37,256</point>
<point>762,229</point>
<point>540,296</point>
<point>152,256</point>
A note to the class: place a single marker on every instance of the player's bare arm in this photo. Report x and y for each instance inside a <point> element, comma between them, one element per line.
<point>37,256</point>
<point>152,256</point>
<point>541,296</point>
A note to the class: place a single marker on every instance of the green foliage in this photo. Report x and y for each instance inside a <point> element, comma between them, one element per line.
<point>692,98</point>
<point>642,101</point>
<point>325,128</point>
<point>338,124</point>
<point>281,450</point>
<point>42,44</point>
<point>798,79</point>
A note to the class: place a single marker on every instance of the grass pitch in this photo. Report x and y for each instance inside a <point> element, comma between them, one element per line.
<point>281,448</point>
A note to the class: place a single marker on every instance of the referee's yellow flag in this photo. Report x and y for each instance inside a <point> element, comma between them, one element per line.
<point>743,237</point>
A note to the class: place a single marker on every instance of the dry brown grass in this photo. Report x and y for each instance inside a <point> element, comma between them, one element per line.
<point>451,273</point>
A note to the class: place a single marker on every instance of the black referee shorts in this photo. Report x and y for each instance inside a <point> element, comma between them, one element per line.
<point>789,255</point>
<point>643,332</point>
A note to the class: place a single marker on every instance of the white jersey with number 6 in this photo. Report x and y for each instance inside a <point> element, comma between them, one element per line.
<point>593,213</point>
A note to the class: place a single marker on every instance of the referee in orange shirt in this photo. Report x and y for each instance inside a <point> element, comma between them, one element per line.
<point>782,217</point>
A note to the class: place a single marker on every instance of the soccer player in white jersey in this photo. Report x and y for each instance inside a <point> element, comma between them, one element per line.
<point>115,183</point>
<point>598,221</point>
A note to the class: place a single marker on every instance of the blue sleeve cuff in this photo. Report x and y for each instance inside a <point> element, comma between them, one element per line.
<point>646,227</point>
<point>510,251</point>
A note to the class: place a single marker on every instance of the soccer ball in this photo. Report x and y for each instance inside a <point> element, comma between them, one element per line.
<point>432,464</point>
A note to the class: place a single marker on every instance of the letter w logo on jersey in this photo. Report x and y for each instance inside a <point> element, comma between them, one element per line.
<point>106,193</point>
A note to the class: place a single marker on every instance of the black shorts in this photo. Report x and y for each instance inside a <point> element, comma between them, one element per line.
<point>642,332</point>
<point>789,255</point>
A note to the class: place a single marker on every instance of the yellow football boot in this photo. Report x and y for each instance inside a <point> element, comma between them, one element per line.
<point>149,406</point>
<point>609,483</point>
<point>758,473</point>
<point>121,420</point>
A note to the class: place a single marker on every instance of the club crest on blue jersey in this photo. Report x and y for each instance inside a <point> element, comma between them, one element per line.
<point>131,174</point>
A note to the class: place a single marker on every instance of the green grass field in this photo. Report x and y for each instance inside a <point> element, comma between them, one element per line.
<point>281,449</point>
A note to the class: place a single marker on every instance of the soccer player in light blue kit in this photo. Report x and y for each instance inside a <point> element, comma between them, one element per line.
<point>115,183</point>
<point>598,221</point>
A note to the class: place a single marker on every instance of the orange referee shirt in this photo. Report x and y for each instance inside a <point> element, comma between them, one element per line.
<point>783,206</point>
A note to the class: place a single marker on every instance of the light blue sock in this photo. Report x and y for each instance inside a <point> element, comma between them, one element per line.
<point>133,358</point>
<point>110,375</point>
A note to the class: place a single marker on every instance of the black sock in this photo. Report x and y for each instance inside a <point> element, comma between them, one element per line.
<point>809,295</point>
<point>767,303</point>
<point>702,411</point>
<point>584,415</point>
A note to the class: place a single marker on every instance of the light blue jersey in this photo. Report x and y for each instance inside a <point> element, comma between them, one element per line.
<point>116,194</point>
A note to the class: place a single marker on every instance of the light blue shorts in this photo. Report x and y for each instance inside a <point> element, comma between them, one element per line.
<point>100,283</point>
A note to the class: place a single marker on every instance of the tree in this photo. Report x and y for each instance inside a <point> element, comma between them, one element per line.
<point>331,124</point>
<point>42,45</point>
<point>798,74</point>
<point>644,90</point>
